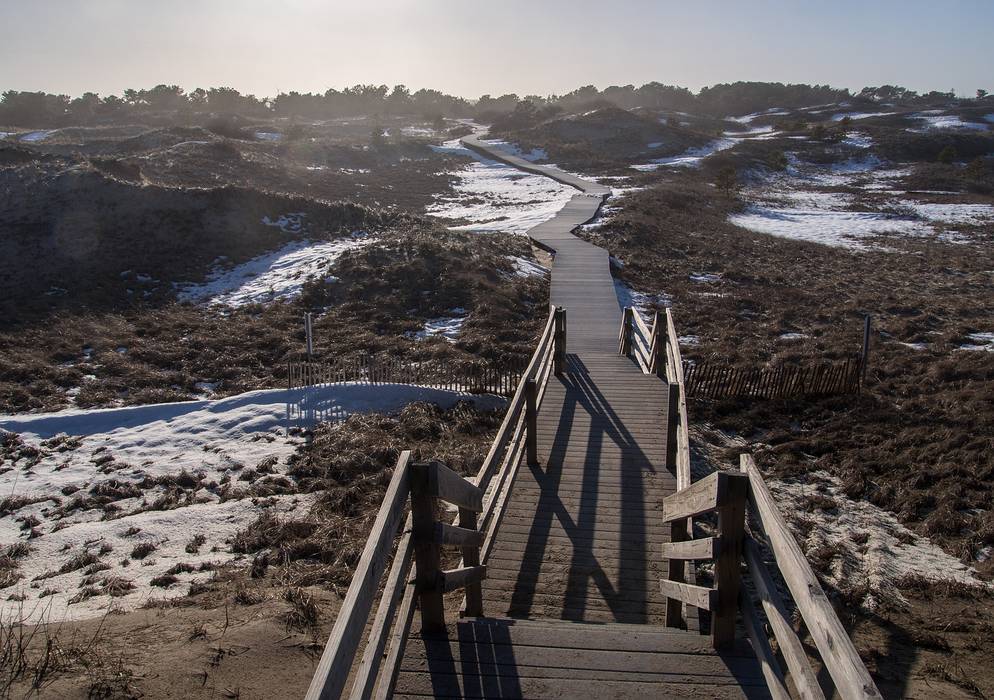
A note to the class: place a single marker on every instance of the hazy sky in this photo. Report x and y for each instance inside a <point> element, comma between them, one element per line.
<point>471,48</point>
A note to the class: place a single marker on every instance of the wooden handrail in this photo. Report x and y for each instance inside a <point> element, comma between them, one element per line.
<point>336,661</point>
<point>836,649</point>
<point>478,503</point>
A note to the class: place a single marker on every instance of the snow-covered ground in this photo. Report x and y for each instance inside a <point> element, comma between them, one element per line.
<point>36,136</point>
<point>494,196</point>
<point>276,276</point>
<point>269,136</point>
<point>870,547</point>
<point>514,150</point>
<point>932,121</point>
<point>801,204</point>
<point>858,115</point>
<point>690,158</point>
<point>979,341</point>
<point>132,453</point>
<point>527,268</point>
<point>447,327</point>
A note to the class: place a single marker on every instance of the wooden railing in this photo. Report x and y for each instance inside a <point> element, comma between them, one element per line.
<point>657,351</point>
<point>476,378</point>
<point>733,496</point>
<point>481,503</point>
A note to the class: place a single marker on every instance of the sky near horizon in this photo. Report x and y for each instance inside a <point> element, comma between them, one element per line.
<point>471,48</point>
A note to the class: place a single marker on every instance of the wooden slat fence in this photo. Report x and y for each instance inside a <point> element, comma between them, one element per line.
<point>475,378</point>
<point>713,380</point>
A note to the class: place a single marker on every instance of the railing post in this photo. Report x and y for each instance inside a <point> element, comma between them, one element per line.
<point>678,528</point>
<point>471,557</point>
<point>531,422</point>
<point>864,357</point>
<point>727,571</point>
<point>559,342</point>
<point>427,553</point>
<point>672,425</point>
<point>625,337</point>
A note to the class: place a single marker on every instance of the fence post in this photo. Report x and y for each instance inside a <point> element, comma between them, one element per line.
<point>531,422</point>
<point>865,356</point>
<point>471,557</point>
<point>559,342</point>
<point>625,338</point>
<point>727,572</point>
<point>427,552</point>
<point>309,333</point>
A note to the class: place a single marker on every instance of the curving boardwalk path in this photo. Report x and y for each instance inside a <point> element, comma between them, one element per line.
<point>572,595</point>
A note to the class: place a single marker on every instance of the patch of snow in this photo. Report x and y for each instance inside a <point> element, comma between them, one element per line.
<point>206,389</point>
<point>269,136</point>
<point>794,336</point>
<point>691,158</point>
<point>277,276</point>
<point>748,118</point>
<point>689,340</point>
<point>209,438</point>
<point>755,131</point>
<point>643,302</point>
<point>705,277</point>
<point>417,131</point>
<point>947,121</point>
<point>447,327</point>
<point>289,223</point>
<point>871,548</point>
<point>498,197</point>
<point>858,115</point>
<point>952,213</point>
<point>36,136</point>
<point>513,149</point>
<point>654,144</point>
<point>915,346</point>
<point>524,267</point>
<point>857,139</point>
<point>981,341</point>
<point>842,229</point>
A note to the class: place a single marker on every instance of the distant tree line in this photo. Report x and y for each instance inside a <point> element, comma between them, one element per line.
<point>40,109</point>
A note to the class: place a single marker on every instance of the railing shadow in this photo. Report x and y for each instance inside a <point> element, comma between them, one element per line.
<point>627,598</point>
<point>483,661</point>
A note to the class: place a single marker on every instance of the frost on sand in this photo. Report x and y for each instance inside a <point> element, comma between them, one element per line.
<point>866,549</point>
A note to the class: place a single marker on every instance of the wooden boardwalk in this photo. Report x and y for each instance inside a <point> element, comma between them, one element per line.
<point>572,594</point>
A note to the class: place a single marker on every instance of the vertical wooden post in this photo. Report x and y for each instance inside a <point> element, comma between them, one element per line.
<point>672,425</point>
<point>471,557</point>
<point>865,355</point>
<point>427,554</point>
<point>531,422</point>
<point>559,342</point>
<point>676,572</point>
<point>309,333</point>
<point>625,338</point>
<point>727,572</point>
